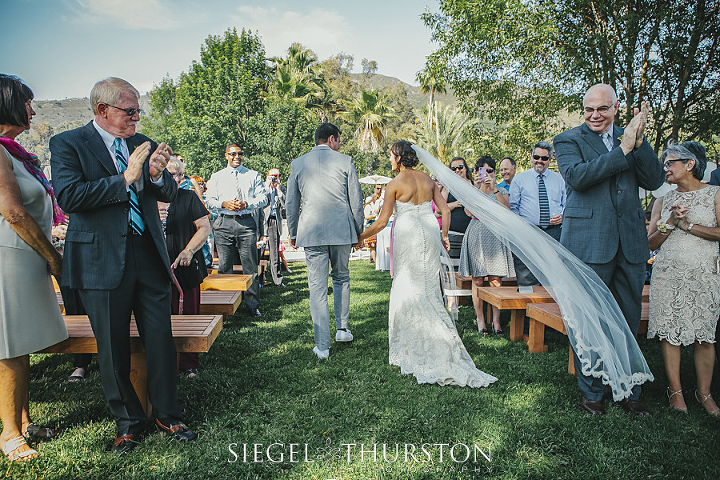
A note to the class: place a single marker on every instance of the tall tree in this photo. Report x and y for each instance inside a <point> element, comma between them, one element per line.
<point>444,135</point>
<point>501,55</point>
<point>431,81</point>
<point>371,112</point>
<point>218,101</point>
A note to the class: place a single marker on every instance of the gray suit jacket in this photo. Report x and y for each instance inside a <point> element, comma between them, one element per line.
<point>603,211</point>
<point>90,189</point>
<point>332,202</point>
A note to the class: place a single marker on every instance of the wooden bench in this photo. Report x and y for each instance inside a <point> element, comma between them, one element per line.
<point>192,333</point>
<point>212,302</point>
<point>508,298</point>
<point>227,283</point>
<point>548,314</point>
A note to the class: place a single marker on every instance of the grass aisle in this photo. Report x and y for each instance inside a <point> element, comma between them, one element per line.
<point>261,384</point>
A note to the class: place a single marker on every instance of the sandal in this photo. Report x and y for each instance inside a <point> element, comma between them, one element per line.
<point>191,372</point>
<point>484,332</point>
<point>704,398</point>
<point>11,446</point>
<point>498,332</point>
<point>36,431</point>
<point>670,394</point>
<point>78,375</point>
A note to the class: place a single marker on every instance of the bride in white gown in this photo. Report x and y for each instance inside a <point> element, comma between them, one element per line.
<point>423,340</point>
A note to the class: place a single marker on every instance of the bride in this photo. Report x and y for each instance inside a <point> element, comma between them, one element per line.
<point>423,340</point>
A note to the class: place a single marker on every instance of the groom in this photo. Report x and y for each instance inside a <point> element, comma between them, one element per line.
<point>328,226</point>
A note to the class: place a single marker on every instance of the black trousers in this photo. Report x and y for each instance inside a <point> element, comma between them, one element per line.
<point>144,291</point>
<point>525,278</point>
<point>273,235</point>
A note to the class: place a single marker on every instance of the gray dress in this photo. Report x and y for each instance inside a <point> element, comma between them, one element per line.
<point>483,253</point>
<point>30,318</point>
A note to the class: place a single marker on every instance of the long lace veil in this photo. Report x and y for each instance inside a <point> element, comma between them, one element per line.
<point>595,325</point>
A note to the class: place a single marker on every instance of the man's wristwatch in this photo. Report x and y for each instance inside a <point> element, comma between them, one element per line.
<point>190,250</point>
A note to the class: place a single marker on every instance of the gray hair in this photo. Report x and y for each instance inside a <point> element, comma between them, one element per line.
<point>176,163</point>
<point>682,152</point>
<point>545,146</point>
<point>109,90</point>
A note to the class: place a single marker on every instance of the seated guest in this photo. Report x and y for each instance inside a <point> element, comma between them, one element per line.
<point>30,318</point>
<point>484,254</point>
<point>186,231</point>
<point>685,285</point>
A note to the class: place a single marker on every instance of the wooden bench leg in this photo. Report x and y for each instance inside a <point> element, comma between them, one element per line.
<point>138,377</point>
<point>571,363</point>
<point>517,324</point>
<point>536,340</point>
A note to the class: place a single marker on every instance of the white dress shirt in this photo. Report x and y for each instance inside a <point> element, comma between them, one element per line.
<point>236,183</point>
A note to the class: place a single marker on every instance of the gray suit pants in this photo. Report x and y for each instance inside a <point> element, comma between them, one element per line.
<point>318,259</point>
<point>625,281</point>
<point>238,234</point>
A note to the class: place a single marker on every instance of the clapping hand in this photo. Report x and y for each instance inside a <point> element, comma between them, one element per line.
<point>159,160</point>
<point>133,172</point>
<point>678,214</point>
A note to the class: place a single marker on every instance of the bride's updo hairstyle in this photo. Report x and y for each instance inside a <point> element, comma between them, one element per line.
<point>403,149</point>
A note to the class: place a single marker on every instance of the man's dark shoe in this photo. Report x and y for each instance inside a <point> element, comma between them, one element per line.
<point>178,430</point>
<point>254,312</point>
<point>593,407</point>
<point>634,407</point>
<point>124,444</point>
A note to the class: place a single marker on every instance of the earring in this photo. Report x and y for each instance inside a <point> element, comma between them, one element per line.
<point>688,169</point>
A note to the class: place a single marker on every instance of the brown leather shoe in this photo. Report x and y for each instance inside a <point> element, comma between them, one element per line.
<point>634,407</point>
<point>593,407</point>
<point>124,444</point>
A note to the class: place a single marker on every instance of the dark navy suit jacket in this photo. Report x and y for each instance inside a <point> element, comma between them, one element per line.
<point>89,188</point>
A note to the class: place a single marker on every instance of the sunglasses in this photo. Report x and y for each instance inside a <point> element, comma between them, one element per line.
<point>128,111</point>
<point>487,170</point>
<point>459,167</point>
<point>541,157</point>
<point>234,154</point>
<point>378,188</point>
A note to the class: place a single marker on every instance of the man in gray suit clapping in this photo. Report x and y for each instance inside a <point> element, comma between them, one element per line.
<point>328,226</point>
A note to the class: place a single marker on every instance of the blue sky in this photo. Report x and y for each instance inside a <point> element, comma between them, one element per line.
<point>62,47</point>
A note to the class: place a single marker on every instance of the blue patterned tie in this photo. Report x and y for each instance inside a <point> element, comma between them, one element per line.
<point>136,221</point>
<point>544,204</point>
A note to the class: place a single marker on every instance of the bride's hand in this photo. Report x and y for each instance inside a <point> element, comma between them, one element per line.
<point>446,244</point>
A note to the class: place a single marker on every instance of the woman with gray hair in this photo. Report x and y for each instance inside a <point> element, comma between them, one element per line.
<point>685,285</point>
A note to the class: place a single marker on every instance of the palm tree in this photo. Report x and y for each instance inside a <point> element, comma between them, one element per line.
<point>431,81</point>
<point>371,111</point>
<point>443,134</point>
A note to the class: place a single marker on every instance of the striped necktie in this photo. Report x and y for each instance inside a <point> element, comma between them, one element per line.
<point>136,221</point>
<point>607,138</point>
<point>544,204</point>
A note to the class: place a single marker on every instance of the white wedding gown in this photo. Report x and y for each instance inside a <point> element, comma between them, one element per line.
<point>423,340</point>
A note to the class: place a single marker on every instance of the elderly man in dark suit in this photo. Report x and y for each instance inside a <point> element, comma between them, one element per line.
<point>115,253</point>
<point>603,225</point>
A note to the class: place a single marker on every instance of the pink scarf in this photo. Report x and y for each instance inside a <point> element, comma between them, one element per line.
<point>32,165</point>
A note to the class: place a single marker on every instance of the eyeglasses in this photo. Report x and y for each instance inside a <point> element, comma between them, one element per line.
<point>668,163</point>
<point>178,175</point>
<point>541,157</point>
<point>603,109</point>
<point>128,111</point>
<point>234,154</point>
<point>459,167</point>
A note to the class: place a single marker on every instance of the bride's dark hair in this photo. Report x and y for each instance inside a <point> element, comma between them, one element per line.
<point>403,149</point>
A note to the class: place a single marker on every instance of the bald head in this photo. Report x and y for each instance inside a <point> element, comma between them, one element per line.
<point>600,107</point>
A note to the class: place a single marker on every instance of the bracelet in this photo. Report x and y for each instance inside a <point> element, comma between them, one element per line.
<point>190,250</point>
<point>690,227</point>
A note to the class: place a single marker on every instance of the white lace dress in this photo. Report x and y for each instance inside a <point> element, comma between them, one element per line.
<point>423,340</point>
<point>685,282</point>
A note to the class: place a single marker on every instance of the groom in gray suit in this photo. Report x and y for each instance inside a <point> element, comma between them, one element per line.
<point>604,223</point>
<point>328,225</point>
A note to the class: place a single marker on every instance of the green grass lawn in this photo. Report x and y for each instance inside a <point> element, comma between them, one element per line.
<point>261,384</point>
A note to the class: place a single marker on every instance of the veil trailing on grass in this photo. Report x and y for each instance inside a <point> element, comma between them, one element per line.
<point>595,325</point>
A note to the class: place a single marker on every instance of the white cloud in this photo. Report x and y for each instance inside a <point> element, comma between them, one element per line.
<point>128,14</point>
<point>324,32</point>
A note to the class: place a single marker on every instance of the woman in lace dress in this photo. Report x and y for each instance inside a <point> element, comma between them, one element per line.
<point>483,254</point>
<point>422,338</point>
<point>685,284</point>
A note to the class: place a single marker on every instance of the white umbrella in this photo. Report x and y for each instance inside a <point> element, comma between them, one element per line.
<point>375,179</point>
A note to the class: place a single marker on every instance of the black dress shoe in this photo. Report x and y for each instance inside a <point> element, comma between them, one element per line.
<point>178,430</point>
<point>254,312</point>
<point>124,444</point>
<point>593,407</point>
<point>634,407</point>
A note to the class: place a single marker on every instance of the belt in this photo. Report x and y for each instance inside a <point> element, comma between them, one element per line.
<point>548,227</point>
<point>236,216</point>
